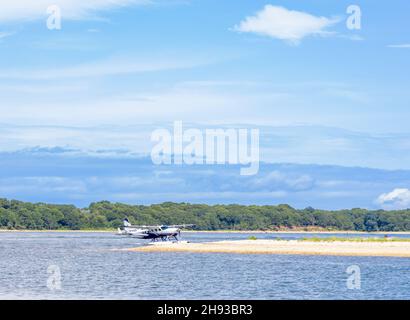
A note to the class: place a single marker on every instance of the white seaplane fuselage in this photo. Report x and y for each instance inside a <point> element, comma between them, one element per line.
<point>151,233</point>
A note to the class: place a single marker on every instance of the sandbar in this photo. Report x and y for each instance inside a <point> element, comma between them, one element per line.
<point>290,247</point>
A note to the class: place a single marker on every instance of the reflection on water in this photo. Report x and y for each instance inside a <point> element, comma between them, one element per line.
<point>91,270</point>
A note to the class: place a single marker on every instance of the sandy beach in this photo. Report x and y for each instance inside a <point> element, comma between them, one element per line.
<point>334,248</point>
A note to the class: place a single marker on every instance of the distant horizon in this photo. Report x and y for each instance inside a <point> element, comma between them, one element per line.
<point>206,204</point>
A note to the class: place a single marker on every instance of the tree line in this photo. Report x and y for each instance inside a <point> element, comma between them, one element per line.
<point>106,215</point>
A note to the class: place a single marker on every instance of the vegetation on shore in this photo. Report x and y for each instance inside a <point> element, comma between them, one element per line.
<point>364,239</point>
<point>106,215</point>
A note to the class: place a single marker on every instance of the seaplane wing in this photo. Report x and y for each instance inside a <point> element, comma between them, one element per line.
<point>179,226</point>
<point>143,227</point>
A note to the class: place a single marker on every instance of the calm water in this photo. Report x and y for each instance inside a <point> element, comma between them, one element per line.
<point>91,270</point>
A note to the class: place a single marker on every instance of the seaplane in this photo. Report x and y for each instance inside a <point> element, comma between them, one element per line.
<point>153,233</point>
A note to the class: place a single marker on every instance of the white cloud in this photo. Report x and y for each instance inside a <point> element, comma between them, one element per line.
<point>400,46</point>
<point>42,184</point>
<point>107,67</point>
<point>354,37</point>
<point>397,199</point>
<point>14,10</point>
<point>5,34</point>
<point>289,25</point>
<point>277,179</point>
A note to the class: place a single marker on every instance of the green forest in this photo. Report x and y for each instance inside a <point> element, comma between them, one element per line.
<point>18,215</point>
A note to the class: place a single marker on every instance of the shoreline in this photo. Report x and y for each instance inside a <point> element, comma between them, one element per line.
<point>299,232</point>
<point>291,247</point>
<point>219,231</point>
<point>56,231</point>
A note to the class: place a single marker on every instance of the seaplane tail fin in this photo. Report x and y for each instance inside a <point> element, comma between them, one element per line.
<point>126,223</point>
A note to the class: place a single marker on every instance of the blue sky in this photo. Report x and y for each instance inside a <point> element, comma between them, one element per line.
<point>320,93</point>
